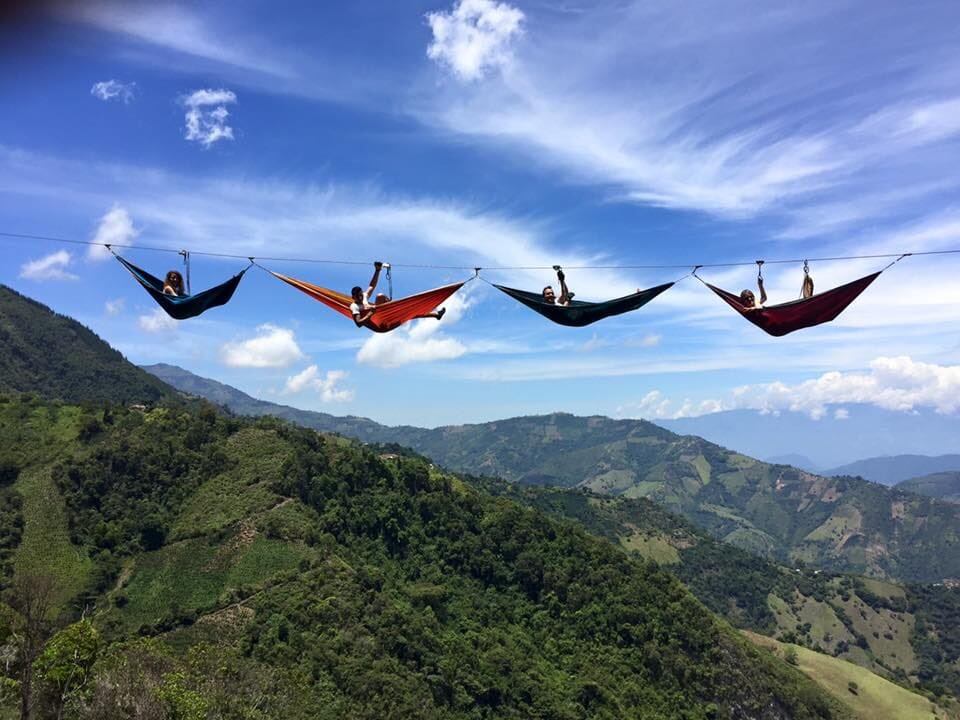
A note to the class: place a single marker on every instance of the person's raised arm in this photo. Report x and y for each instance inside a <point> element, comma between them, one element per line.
<point>376,277</point>
<point>763,292</point>
<point>565,295</point>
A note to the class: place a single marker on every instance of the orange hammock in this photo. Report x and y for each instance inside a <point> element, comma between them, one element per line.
<point>387,316</point>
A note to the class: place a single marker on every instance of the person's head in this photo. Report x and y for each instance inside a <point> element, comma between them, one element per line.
<point>747,298</point>
<point>548,294</point>
<point>357,294</point>
<point>175,280</point>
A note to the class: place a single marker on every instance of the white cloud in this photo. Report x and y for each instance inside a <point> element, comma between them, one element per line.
<point>240,215</point>
<point>107,90</point>
<point>115,228</point>
<point>328,384</point>
<point>271,347</point>
<point>474,37</point>
<point>203,124</point>
<point>662,104</point>
<point>114,307</point>
<point>157,322</point>
<point>420,341</point>
<point>656,406</point>
<point>49,267</point>
<point>892,383</point>
<point>173,27</point>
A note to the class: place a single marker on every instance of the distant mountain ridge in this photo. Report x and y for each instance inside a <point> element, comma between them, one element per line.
<point>894,469</point>
<point>844,434</point>
<point>942,485</point>
<point>58,358</point>
<point>841,524</point>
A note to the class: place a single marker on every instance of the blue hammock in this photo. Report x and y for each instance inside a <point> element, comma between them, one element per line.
<point>182,307</point>
<point>580,314</point>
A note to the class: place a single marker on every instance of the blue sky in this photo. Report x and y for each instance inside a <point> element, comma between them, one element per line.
<point>480,133</point>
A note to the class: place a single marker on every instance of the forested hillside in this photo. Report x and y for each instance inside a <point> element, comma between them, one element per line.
<point>902,632</point>
<point>58,358</point>
<point>233,568</point>
<point>841,524</point>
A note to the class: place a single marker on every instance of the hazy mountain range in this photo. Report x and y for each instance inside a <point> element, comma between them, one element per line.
<point>844,435</point>
<point>894,469</point>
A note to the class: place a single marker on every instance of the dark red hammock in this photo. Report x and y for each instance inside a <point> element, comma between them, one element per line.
<point>779,320</point>
<point>387,316</point>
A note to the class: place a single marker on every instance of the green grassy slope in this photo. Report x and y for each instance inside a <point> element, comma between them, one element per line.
<point>868,695</point>
<point>333,583</point>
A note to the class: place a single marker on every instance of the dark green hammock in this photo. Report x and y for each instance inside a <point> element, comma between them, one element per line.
<point>182,307</point>
<point>578,313</point>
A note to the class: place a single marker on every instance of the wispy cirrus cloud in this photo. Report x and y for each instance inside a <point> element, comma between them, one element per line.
<point>173,27</point>
<point>107,90</point>
<point>50,267</point>
<point>665,105</point>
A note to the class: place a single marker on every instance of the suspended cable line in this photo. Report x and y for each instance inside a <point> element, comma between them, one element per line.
<point>744,263</point>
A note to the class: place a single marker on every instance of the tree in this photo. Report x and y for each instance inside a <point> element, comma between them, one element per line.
<point>32,597</point>
<point>66,662</point>
<point>790,655</point>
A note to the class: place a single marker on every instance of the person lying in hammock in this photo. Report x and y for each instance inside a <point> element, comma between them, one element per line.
<point>565,295</point>
<point>173,284</point>
<point>362,309</point>
<point>749,301</point>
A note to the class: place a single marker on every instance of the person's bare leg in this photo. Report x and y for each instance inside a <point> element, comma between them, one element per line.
<point>437,315</point>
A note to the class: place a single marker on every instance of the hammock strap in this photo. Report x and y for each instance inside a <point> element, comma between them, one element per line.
<point>897,260</point>
<point>185,254</point>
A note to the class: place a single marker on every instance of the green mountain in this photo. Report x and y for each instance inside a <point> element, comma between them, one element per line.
<point>942,485</point>
<point>58,358</point>
<point>894,469</point>
<point>841,524</point>
<point>240,568</point>
<point>906,633</point>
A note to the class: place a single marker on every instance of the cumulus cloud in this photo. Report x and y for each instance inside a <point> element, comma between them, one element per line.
<point>50,267</point>
<point>114,307</point>
<point>272,346</point>
<point>892,383</point>
<point>206,116</point>
<point>474,37</point>
<point>156,322</point>
<point>107,90</point>
<point>115,228</point>
<point>327,384</point>
<point>418,342</point>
